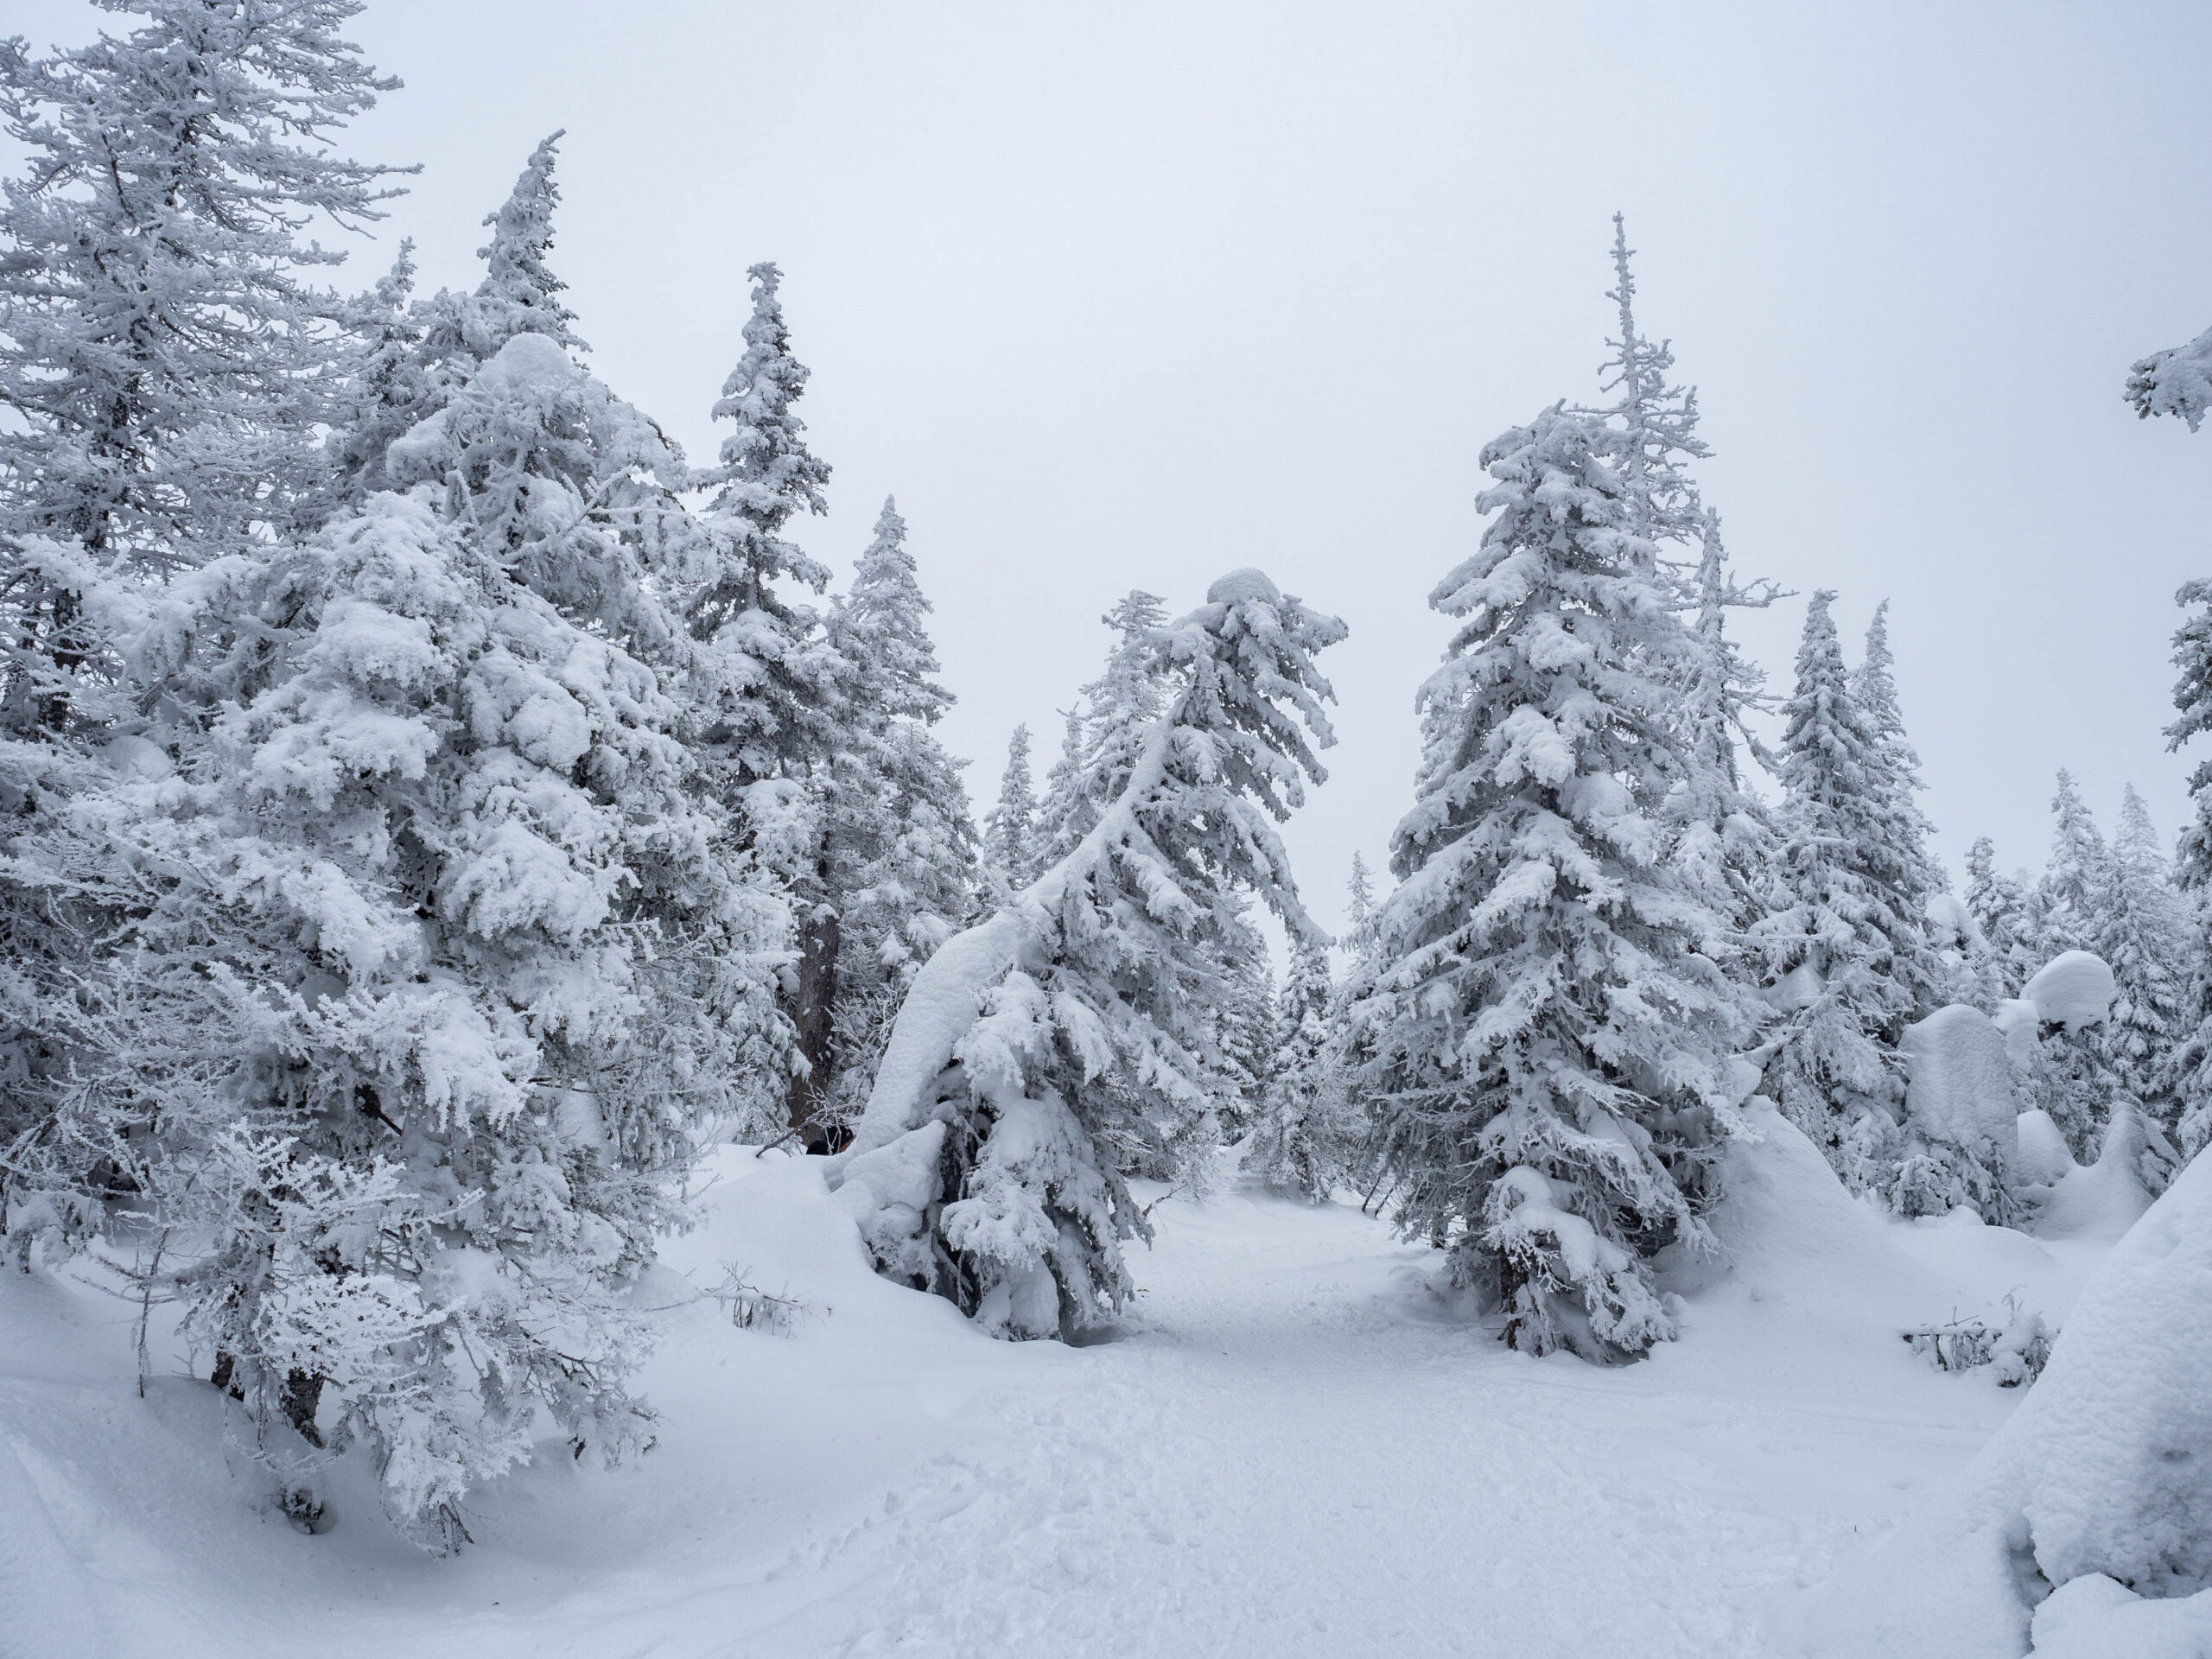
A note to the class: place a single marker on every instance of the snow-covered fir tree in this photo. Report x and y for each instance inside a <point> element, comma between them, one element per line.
<point>1105,731</point>
<point>1723,841</point>
<point>411,357</point>
<point>2192,697</point>
<point>496,963</point>
<point>1299,1139</point>
<point>162,356</point>
<point>1045,1048</point>
<point>1245,1032</point>
<point>1010,852</point>
<point>901,850</point>
<point>2076,884</point>
<point>2147,939</point>
<point>2003,907</point>
<point>1842,947</point>
<point>1548,1034</point>
<point>766,684</point>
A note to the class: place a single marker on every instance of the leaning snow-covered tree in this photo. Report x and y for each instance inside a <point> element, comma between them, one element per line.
<point>1037,1050</point>
<point>1549,1036</point>
<point>2177,381</point>
<point>490,962</point>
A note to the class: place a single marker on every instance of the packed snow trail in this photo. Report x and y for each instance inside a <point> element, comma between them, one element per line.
<point>1294,1446</point>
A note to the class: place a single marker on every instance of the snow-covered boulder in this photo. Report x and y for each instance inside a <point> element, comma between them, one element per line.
<point>2074,989</point>
<point>1959,1090</point>
<point>2101,1473</point>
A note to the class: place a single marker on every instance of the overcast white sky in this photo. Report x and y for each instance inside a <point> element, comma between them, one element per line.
<point>1127,295</point>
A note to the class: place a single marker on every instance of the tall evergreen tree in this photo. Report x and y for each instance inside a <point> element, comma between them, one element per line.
<point>767,684</point>
<point>2077,885</point>
<point>1547,1033</point>
<point>2003,907</point>
<point>1899,860</point>
<point>1842,948</point>
<point>2192,697</point>
<point>163,351</point>
<point>1299,1138</point>
<point>413,356</point>
<point>901,851</point>
<point>486,963</point>
<point>1105,733</point>
<point>1244,1036</point>
<point>2147,940</point>
<point>1010,827</point>
<point>1723,841</point>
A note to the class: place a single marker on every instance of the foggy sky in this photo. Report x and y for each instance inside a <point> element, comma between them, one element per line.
<point>1131,296</point>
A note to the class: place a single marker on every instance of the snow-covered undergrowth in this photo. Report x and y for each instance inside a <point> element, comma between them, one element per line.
<point>1294,1445</point>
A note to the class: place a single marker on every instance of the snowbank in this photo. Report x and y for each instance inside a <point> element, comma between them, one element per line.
<point>2074,989</point>
<point>2101,1471</point>
<point>2103,1199</point>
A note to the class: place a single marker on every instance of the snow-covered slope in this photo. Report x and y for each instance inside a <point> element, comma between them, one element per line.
<point>1296,1445</point>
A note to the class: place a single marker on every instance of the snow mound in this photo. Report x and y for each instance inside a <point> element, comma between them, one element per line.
<point>2045,1158</point>
<point>2103,1199</point>
<point>2101,1471</point>
<point>2097,1618</point>
<point>1241,586</point>
<point>1960,1085</point>
<point>2073,989</point>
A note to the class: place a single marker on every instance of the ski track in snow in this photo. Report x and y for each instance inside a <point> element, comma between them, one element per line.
<point>1294,1446</point>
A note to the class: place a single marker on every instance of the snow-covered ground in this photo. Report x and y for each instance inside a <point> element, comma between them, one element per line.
<point>1295,1446</point>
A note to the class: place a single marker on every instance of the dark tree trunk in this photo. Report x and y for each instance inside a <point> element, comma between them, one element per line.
<point>814,1006</point>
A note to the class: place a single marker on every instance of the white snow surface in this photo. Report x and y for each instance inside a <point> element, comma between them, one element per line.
<point>2098,1478</point>
<point>1960,1085</point>
<point>2045,1158</point>
<point>1297,1445</point>
<point>2073,988</point>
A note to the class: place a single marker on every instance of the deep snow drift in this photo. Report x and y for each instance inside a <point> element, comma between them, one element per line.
<point>1295,1446</point>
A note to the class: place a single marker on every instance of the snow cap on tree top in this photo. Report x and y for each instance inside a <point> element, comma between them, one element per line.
<point>1239,587</point>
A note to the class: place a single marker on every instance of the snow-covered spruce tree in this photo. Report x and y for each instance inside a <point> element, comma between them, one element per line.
<point>766,684</point>
<point>2147,941</point>
<point>1299,1141</point>
<point>503,961</point>
<point>412,356</point>
<point>1722,840</point>
<point>1040,1050</point>
<point>901,848</point>
<point>2077,885</point>
<point>1900,860</point>
<point>1245,1032</point>
<point>1547,1034</point>
<point>1105,730</point>
<point>1009,851</point>
<point>160,345</point>
<point>1841,947</point>
<point>2192,1061</point>
<point>2002,907</point>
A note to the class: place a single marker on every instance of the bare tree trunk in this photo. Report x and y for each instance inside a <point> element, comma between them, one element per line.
<point>814,1006</point>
